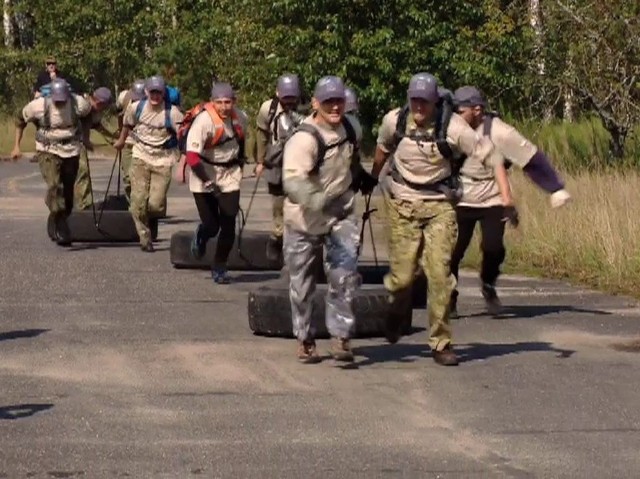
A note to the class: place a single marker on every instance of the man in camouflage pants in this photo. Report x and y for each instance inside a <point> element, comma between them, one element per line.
<point>58,142</point>
<point>99,101</point>
<point>419,201</point>
<point>319,209</point>
<point>275,120</point>
<point>152,122</point>
<point>126,97</point>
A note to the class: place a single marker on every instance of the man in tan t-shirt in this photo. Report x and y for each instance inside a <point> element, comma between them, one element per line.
<point>481,200</point>
<point>58,143</point>
<point>319,209</point>
<point>420,192</point>
<point>153,123</point>
<point>276,120</point>
<point>125,98</point>
<point>215,154</point>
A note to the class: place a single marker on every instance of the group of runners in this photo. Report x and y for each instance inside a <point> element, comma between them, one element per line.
<point>441,163</point>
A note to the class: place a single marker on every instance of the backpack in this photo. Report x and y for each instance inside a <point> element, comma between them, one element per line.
<point>450,186</point>
<point>444,110</point>
<point>487,123</point>
<point>275,153</point>
<point>172,142</point>
<point>217,139</point>
<point>173,94</point>
<point>45,123</point>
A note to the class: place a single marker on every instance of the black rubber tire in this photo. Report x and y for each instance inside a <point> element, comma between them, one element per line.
<point>114,227</point>
<point>372,274</point>
<point>114,203</point>
<point>253,255</point>
<point>269,312</point>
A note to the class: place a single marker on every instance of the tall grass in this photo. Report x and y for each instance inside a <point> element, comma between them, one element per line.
<point>595,240</point>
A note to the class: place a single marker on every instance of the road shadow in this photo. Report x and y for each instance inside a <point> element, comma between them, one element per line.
<point>20,411</point>
<point>409,353</point>
<point>21,334</point>
<point>255,277</point>
<point>528,311</point>
<point>177,221</point>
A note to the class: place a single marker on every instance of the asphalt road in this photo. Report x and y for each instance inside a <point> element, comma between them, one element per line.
<point>113,364</point>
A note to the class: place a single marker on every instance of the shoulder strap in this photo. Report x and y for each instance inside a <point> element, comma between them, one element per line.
<point>351,132</point>
<point>139,108</point>
<point>46,117</point>
<point>443,118</point>
<point>218,126</point>
<point>273,107</point>
<point>322,146</point>
<point>401,125</point>
<point>167,117</point>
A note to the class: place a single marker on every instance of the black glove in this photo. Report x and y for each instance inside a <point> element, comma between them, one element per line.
<point>367,183</point>
<point>510,214</point>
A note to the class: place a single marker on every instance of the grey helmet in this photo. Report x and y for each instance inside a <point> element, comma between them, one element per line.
<point>351,101</point>
<point>423,86</point>
<point>60,91</point>
<point>288,85</point>
<point>137,90</point>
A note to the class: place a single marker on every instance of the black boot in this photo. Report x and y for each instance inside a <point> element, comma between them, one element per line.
<point>494,307</point>
<point>63,234</point>
<point>153,228</point>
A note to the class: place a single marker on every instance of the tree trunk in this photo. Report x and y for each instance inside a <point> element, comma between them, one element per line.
<point>9,39</point>
<point>568,105</point>
<point>535,20</point>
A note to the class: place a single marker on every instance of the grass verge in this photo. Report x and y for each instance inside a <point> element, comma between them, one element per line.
<point>594,241</point>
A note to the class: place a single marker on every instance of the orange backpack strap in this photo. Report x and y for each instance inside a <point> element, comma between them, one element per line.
<point>218,126</point>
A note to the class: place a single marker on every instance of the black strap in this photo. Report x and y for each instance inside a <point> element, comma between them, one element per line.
<point>273,107</point>
<point>227,164</point>
<point>350,137</point>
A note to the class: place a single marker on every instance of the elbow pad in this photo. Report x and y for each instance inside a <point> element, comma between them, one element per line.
<point>540,171</point>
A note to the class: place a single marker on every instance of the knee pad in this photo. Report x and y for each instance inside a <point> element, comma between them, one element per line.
<point>343,280</point>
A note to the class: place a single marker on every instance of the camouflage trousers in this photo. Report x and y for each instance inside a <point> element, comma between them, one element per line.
<point>341,245</point>
<point>149,186</point>
<point>125,167</point>
<point>82,190</point>
<point>59,174</point>
<point>277,205</point>
<point>422,233</point>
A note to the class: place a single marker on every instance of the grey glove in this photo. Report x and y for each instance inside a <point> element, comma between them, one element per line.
<point>303,192</point>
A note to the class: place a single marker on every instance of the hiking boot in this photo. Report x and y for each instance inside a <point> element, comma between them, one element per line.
<point>446,357</point>
<point>198,243</point>
<point>274,248</point>
<point>153,228</point>
<point>62,231</point>
<point>494,307</point>
<point>341,350</point>
<point>147,247</point>
<point>220,276</point>
<point>307,352</point>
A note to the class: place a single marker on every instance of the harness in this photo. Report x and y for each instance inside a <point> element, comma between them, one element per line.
<point>449,186</point>
<point>172,142</point>
<point>45,125</point>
